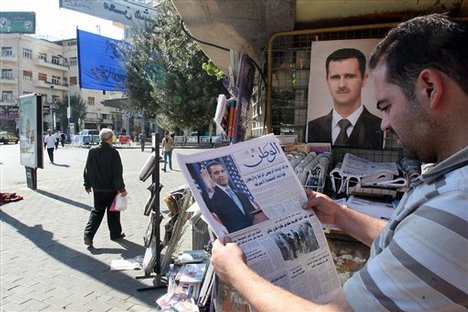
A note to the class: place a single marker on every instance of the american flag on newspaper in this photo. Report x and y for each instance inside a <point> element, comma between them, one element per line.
<point>235,180</point>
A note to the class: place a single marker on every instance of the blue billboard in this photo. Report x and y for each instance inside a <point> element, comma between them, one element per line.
<point>101,63</point>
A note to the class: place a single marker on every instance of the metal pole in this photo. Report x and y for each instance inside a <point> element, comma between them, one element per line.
<point>50,108</point>
<point>68,109</point>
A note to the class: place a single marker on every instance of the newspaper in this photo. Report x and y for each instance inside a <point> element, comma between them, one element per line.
<point>282,242</point>
<point>359,172</point>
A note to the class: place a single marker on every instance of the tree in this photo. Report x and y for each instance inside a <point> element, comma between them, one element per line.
<point>169,76</point>
<point>78,111</point>
<point>145,69</point>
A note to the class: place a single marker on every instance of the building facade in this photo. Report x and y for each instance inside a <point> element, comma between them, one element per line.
<point>30,65</point>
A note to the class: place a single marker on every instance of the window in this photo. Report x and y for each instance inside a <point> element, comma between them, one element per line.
<point>71,42</point>
<point>7,51</point>
<point>7,74</point>
<point>27,75</point>
<point>73,61</point>
<point>27,53</point>
<point>73,80</point>
<point>55,79</point>
<point>91,101</point>
<point>43,57</point>
<point>56,60</point>
<point>42,77</point>
<point>7,96</point>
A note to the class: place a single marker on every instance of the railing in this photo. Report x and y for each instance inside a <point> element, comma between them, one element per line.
<point>41,62</point>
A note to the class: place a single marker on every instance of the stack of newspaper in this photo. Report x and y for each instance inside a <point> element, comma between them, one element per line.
<point>355,172</point>
<point>282,242</point>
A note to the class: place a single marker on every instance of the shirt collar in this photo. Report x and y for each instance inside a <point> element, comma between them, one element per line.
<point>224,188</point>
<point>353,118</point>
<point>457,160</point>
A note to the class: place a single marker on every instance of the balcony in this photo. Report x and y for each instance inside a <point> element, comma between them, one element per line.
<point>42,84</point>
<point>41,62</point>
<point>12,59</point>
<point>8,80</point>
<point>49,85</point>
<point>60,86</point>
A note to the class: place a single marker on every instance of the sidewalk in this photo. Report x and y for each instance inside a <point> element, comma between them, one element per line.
<point>44,265</point>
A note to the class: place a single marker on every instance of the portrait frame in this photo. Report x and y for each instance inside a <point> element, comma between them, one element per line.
<point>320,102</point>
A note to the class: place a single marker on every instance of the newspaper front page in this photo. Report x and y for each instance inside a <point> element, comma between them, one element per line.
<point>282,242</point>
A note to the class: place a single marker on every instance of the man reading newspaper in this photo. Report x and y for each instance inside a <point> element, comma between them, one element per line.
<point>418,259</point>
<point>282,242</point>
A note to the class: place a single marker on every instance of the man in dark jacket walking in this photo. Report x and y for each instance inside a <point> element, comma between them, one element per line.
<point>103,174</point>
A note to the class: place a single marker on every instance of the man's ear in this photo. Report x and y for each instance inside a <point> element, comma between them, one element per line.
<point>364,80</point>
<point>429,87</point>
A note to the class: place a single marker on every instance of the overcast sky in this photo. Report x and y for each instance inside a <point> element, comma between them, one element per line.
<point>53,23</point>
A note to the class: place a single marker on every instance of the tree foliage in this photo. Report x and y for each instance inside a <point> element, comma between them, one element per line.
<point>169,76</point>
<point>78,111</point>
<point>145,69</point>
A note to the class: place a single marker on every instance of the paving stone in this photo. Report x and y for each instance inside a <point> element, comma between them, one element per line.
<point>33,305</point>
<point>11,306</point>
<point>49,267</point>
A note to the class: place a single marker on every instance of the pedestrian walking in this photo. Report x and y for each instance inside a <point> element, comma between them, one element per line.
<point>49,144</point>
<point>63,137</point>
<point>103,175</point>
<point>167,147</point>
<point>142,138</point>
<point>57,139</point>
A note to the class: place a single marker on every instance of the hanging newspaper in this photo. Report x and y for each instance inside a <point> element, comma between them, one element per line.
<point>249,194</point>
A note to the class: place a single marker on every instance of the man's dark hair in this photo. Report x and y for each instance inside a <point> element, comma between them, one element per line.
<point>211,164</point>
<point>431,41</point>
<point>347,53</point>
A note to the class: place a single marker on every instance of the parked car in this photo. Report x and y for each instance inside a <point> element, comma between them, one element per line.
<point>7,137</point>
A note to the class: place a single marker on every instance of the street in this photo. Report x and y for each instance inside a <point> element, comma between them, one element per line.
<point>44,264</point>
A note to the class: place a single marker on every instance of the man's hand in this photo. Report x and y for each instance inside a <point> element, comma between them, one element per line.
<point>326,209</point>
<point>88,190</point>
<point>226,258</point>
<point>362,227</point>
<point>210,184</point>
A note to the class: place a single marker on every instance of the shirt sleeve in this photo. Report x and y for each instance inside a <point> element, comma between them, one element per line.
<point>86,183</point>
<point>423,267</point>
<point>118,172</point>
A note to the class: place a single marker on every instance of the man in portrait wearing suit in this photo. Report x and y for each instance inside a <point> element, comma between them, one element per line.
<point>349,123</point>
<point>232,208</point>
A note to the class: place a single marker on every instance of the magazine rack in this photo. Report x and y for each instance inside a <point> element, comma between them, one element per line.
<point>152,261</point>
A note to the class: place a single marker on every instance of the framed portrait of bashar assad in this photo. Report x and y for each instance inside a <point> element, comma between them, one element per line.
<point>341,103</point>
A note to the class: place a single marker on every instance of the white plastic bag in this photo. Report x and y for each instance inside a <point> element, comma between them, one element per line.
<point>119,203</point>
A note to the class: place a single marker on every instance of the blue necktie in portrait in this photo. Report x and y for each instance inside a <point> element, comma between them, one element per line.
<point>235,199</point>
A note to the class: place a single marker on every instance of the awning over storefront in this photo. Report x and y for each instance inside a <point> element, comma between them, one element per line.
<point>117,103</point>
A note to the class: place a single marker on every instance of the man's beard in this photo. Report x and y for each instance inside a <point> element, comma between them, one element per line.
<point>410,153</point>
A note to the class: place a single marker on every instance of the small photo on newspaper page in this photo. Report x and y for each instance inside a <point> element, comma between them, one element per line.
<point>249,194</point>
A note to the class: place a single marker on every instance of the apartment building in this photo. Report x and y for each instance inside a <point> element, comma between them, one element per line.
<point>31,65</point>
